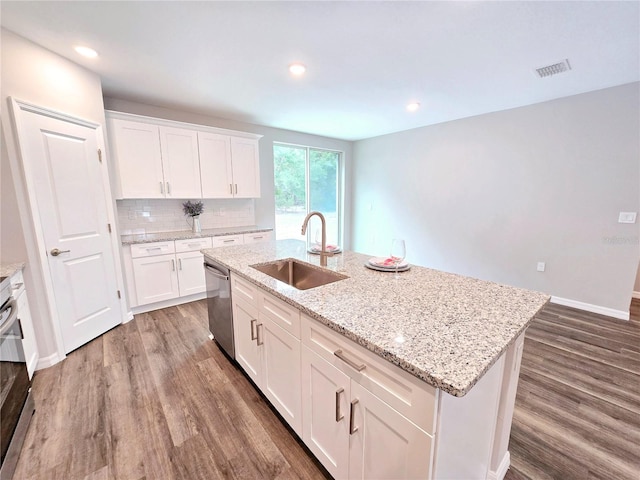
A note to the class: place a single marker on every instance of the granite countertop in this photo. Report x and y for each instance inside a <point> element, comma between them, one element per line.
<point>183,234</point>
<point>445,329</point>
<point>8,269</point>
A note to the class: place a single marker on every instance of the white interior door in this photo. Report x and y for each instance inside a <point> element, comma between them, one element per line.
<point>68,186</point>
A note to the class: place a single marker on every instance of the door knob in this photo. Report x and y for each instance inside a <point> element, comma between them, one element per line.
<point>55,252</point>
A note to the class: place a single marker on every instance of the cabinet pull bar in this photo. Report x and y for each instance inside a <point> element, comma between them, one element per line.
<point>352,413</point>
<point>173,265</point>
<point>162,188</point>
<point>338,353</point>
<point>231,189</point>
<point>339,415</point>
<point>180,263</point>
<point>168,188</point>
<point>254,336</point>
<point>228,241</point>
<point>236,188</point>
<point>259,340</point>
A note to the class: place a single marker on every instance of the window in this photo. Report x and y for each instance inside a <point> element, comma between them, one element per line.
<point>307,179</point>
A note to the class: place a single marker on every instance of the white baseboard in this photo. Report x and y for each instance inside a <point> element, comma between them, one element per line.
<point>49,361</point>
<point>609,312</point>
<point>500,473</point>
<point>168,303</point>
<point>128,318</point>
<point>636,295</point>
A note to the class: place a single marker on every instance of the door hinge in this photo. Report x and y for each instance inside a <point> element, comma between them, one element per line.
<point>100,155</point>
<point>119,296</point>
<point>109,227</point>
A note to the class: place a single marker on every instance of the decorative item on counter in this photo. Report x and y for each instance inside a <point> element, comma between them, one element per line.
<point>193,209</point>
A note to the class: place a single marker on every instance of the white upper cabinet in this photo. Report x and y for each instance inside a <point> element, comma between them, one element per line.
<point>215,165</point>
<point>246,167</point>
<point>229,166</point>
<point>136,147</point>
<point>158,158</point>
<point>180,162</point>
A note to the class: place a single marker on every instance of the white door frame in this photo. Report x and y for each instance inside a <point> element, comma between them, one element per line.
<point>32,213</point>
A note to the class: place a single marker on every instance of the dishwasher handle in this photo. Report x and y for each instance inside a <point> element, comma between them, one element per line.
<point>215,273</point>
<point>6,325</point>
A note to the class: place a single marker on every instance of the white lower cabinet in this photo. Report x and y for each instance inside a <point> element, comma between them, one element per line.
<point>191,277</point>
<point>156,278</point>
<point>26,322</point>
<point>322,386</point>
<point>268,353</point>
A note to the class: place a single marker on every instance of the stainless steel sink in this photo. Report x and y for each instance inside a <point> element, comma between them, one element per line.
<point>300,275</point>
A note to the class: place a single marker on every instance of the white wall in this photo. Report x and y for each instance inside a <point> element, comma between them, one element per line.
<point>492,195</point>
<point>34,74</point>
<point>264,206</point>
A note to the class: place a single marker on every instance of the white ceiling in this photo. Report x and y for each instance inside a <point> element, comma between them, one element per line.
<point>366,60</point>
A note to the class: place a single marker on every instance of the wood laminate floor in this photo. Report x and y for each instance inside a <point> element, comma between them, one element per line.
<point>156,399</point>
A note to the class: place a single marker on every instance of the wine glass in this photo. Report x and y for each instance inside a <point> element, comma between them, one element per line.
<point>398,252</point>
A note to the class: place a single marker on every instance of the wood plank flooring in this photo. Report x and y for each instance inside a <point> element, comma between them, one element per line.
<point>156,399</point>
<point>577,412</point>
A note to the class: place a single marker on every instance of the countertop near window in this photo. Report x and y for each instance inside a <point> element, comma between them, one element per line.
<point>8,269</point>
<point>445,329</point>
<point>184,234</point>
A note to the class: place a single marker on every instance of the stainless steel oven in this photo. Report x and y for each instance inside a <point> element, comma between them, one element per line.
<point>16,403</point>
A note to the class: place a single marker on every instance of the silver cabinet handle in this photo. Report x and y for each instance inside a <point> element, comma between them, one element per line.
<point>339,415</point>
<point>162,188</point>
<point>168,188</point>
<point>236,188</point>
<point>180,263</point>
<point>228,241</point>
<point>173,265</point>
<point>259,340</point>
<point>56,251</point>
<point>254,336</point>
<point>338,353</point>
<point>231,189</point>
<point>352,428</point>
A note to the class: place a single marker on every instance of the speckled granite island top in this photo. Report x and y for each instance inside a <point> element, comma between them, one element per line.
<point>445,329</point>
<point>8,269</point>
<point>184,234</point>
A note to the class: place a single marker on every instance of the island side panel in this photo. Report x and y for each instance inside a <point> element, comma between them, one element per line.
<point>466,427</point>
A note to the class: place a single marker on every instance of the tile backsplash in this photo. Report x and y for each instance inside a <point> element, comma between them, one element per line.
<point>165,215</point>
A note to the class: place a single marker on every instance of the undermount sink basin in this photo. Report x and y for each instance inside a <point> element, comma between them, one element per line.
<point>300,275</point>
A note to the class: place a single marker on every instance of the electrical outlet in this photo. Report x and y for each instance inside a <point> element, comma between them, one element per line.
<point>541,266</point>
<point>627,217</point>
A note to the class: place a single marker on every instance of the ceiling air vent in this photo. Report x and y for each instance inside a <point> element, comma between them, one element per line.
<point>554,69</point>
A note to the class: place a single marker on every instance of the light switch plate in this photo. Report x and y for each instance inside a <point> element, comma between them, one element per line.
<point>541,266</point>
<point>627,217</point>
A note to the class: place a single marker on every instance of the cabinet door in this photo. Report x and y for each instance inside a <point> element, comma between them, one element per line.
<point>180,162</point>
<point>385,445</point>
<point>215,165</point>
<point>28,332</point>
<point>246,167</point>
<point>245,320</point>
<point>137,152</point>
<point>156,278</point>
<point>281,371</point>
<point>256,237</point>
<point>191,273</point>
<point>325,410</point>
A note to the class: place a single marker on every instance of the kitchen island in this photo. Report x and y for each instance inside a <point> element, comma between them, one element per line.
<point>447,335</point>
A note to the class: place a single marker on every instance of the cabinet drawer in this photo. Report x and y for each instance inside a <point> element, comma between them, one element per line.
<point>227,240</point>
<point>281,313</point>
<point>193,244</point>
<point>408,395</point>
<point>151,249</point>
<point>257,237</point>
<point>241,289</point>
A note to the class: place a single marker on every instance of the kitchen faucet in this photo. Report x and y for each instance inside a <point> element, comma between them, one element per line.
<point>323,253</point>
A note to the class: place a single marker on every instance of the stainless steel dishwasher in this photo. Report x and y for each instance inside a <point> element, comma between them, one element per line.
<point>219,305</point>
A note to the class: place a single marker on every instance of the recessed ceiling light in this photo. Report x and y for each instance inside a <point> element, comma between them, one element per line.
<point>297,69</point>
<point>86,52</point>
<point>413,106</point>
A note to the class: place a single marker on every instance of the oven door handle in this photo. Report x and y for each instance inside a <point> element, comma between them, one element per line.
<point>13,305</point>
<point>215,273</point>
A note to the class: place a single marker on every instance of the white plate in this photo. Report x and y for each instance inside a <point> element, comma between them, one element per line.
<point>388,270</point>
<point>385,262</point>
<point>315,249</point>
